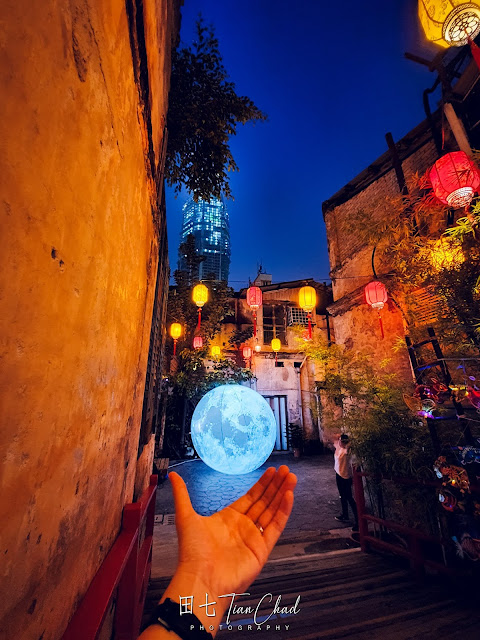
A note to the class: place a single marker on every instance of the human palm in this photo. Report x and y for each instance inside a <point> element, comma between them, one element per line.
<point>229,548</point>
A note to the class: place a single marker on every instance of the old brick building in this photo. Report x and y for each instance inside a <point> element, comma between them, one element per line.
<point>84,102</point>
<point>356,324</point>
<point>288,381</point>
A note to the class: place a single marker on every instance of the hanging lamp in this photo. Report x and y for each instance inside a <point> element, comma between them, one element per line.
<point>197,342</point>
<point>454,179</point>
<point>247,354</point>
<point>200,297</point>
<point>175,333</point>
<point>307,300</point>
<point>451,23</point>
<point>376,296</point>
<point>216,351</point>
<point>254,301</point>
<point>276,346</point>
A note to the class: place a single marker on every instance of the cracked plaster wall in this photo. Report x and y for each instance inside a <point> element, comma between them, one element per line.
<point>77,281</point>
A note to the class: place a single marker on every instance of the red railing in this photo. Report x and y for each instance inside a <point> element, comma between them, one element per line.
<point>124,575</point>
<point>413,537</point>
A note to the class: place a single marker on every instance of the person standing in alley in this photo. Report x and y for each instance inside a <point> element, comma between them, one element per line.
<point>343,476</point>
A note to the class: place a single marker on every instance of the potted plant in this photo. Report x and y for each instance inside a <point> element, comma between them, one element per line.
<point>295,438</point>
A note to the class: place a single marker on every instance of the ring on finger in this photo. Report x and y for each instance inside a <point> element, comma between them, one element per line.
<point>259,527</point>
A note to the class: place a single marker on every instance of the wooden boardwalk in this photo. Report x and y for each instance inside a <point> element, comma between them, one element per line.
<point>352,595</point>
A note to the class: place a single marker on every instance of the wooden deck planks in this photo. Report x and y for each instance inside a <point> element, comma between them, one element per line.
<point>352,596</point>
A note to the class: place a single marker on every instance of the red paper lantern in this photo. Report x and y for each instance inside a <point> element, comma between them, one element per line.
<point>254,297</point>
<point>376,296</point>
<point>197,342</point>
<point>454,179</point>
<point>254,301</point>
<point>247,353</point>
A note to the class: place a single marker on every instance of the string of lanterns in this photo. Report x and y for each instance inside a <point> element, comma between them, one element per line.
<point>199,297</point>
<point>254,298</point>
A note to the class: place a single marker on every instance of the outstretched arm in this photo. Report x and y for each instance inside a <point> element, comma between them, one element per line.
<point>223,553</point>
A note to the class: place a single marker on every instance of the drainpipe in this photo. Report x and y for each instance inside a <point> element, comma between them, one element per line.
<point>300,402</point>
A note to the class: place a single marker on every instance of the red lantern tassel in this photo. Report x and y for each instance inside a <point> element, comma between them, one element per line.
<point>255,323</point>
<point>174,347</point>
<point>381,325</point>
<point>309,325</point>
<point>199,318</point>
<point>475,51</point>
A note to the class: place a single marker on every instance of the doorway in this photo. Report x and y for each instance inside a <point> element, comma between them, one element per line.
<point>278,404</point>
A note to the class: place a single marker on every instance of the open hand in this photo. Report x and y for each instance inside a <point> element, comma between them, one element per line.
<point>229,548</point>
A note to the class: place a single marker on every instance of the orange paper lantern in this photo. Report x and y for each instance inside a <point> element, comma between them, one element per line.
<point>307,300</point>
<point>200,297</point>
<point>175,332</point>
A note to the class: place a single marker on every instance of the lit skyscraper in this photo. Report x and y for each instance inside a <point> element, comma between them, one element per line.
<point>208,222</point>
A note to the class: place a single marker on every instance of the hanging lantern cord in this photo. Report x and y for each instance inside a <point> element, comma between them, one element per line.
<point>474,49</point>
<point>373,263</point>
<point>309,325</point>
<point>199,318</point>
<point>380,323</point>
<point>276,357</point>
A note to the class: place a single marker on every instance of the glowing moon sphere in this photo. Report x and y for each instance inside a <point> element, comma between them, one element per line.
<point>233,429</point>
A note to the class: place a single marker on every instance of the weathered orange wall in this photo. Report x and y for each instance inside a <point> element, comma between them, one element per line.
<point>77,280</point>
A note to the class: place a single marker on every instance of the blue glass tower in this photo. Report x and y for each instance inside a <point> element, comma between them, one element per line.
<point>208,222</point>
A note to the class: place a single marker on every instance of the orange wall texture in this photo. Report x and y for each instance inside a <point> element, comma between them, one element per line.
<point>77,281</point>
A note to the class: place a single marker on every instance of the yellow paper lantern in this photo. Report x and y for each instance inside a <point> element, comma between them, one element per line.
<point>307,298</point>
<point>200,295</point>
<point>175,330</point>
<point>215,351</point>
<point>276,344</point>
<point>449,22</point>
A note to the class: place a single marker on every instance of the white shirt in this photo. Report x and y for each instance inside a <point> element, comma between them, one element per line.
<point>343,464</point>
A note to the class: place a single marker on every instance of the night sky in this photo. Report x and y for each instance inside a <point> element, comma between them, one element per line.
<point>332,78</point>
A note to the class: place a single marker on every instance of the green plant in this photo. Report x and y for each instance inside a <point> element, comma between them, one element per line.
<point>191,379</point>
<point>367,402</point>
<point>294,436</point>
<point>417,248</point>
<point>203,113</point>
